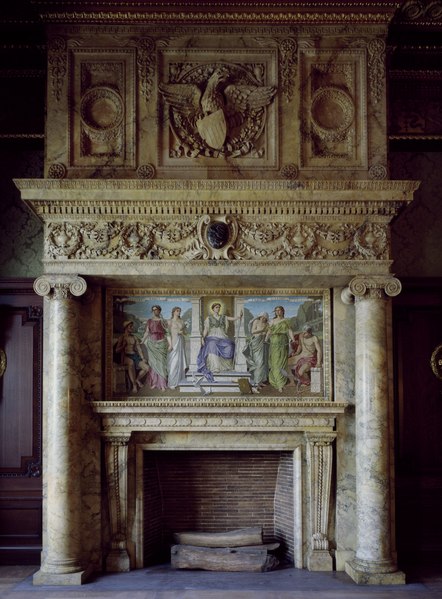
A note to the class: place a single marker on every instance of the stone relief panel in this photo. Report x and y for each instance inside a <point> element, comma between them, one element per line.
<point>333,101</point>
<point>102,111</point>
<point>218,107</point>
<point>224,102</point>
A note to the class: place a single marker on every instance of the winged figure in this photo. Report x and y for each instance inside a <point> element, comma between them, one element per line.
<point>219,108</point>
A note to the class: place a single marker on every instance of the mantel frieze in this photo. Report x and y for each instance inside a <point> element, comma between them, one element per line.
<point>217,237</point>
<point>218,415</point>
<point>216,422</point>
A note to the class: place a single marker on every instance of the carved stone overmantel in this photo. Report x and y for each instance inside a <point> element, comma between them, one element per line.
<point>335,229</point>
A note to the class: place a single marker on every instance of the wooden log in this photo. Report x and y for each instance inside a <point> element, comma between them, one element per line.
<point>221,559</point>
<point>264,546</point>
<point>232,538</point>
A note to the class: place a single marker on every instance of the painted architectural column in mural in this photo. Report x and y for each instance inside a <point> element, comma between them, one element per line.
<point>320,462</point>
<point>61,563</point>
<point>374,562</point>
<point>117,559</point>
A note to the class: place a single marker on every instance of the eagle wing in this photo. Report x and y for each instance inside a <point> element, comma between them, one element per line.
<point>241,98</point>
<point>184,97</point>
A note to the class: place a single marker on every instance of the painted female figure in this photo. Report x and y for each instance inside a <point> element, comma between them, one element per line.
<point>256,350</point>
<point>218,350</point>
<point>176,358</point>
<point>279,335</point>
<point>156,343</point>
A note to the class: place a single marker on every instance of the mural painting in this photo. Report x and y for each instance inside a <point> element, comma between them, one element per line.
<point>244,344</point>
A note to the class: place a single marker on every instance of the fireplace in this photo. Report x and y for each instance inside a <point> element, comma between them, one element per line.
<point>216,492</point>
<point>317,427</point>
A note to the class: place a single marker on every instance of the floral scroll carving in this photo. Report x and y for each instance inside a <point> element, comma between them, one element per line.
<point>220,237</point>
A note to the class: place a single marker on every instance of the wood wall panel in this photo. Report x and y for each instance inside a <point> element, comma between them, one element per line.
<point>418,331</point>
<point>20,425</point>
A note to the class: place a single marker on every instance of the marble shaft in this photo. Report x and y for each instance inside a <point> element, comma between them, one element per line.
<point>62,394</point>
<point>374,562</point>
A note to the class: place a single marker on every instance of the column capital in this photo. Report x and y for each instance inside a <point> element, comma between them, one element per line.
<point>320,439</point>
<point>117,439</point>
<point>371,287</point>
<point>60,286</point>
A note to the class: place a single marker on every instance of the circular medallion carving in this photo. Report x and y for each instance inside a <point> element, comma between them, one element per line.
<point>3,362</point>
<point>218,234</point>
<point>290,171</point>
<point>377,171</point>
<point>332,111</point>
<point>57,170</point>
<point>436,362</point>
<point>146,171</point>
<point>101,109</point>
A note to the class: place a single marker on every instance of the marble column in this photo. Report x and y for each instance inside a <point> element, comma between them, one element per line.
<point>320,461</point>
<point>116,444</point>
<point>61,556</point>
<point>374,562</point>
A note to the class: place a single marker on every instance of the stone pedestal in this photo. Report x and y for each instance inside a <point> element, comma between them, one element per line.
<point>374,562</point>
<point>61,564</point>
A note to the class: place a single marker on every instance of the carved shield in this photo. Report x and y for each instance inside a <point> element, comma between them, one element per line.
<point>213,129</point>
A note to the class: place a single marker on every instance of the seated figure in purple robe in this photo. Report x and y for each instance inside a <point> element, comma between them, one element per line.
<point>217,351</point>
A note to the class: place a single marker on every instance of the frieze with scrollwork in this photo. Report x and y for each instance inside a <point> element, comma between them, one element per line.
<point>242,239</point>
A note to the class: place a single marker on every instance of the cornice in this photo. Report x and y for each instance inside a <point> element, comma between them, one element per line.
<point>215,185</point>
<point>203,11</point>
<point>219,17</point>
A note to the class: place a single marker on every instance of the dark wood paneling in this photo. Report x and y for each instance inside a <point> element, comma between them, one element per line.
<point>20,425</point>
<point>418,331</point>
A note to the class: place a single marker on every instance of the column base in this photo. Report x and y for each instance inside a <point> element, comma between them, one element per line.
<point>365,576</point>
<point>343,556</point>
<point>118,561</point>
<point>67,579</point>
<point>320,560</point>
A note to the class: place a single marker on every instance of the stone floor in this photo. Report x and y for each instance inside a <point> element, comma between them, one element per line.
<point>161,582</point>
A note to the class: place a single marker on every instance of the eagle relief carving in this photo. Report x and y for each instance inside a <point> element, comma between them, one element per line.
<point>217,110</point>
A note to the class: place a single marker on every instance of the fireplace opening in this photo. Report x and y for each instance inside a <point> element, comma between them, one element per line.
<point>217,491</point>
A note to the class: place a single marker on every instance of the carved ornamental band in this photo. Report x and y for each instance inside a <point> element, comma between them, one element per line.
<point>216,237</point>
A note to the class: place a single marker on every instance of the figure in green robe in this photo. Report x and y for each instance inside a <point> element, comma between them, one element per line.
<point>279,336</point>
